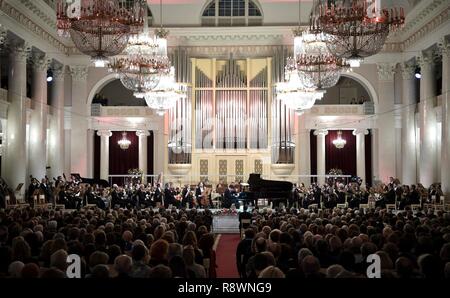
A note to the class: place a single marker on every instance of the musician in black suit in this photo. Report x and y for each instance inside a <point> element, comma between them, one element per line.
<point>169,196</point>
<point>244,215</point>
<point>199,192</point>
<point>141,197</point>
<point>157,196</point>
<point>229,197</point>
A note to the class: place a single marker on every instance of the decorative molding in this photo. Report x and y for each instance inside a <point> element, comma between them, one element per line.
<point>407,70</point>
<point>104,133</point>
<point>386,71</point>
<point>323,132</point>
<point>142,133</point>
<point>323,110</point>
<point>58,72</point>
<point>40,62</point>
<point>425,60</point>
<point>20,52</point>
<point>444,47</point>
<point>79,72</point>
<point>3,33</point>
<point>360,131</point>
<point>30,25</point>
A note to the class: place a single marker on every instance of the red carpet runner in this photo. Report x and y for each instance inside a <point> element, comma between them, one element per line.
<point>226,256</point>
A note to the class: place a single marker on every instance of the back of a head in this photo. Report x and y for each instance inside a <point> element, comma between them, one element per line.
<point>53,273</point>
<point>260,262</point>
<point>123,264</point>
<point>404,267</point>
<point>302,253</point>
<point>178,267</point>
<point>160,271</point>
<point>310,265</point>
<point>189,256</point>
<point>159,250</point>
<point>59,260</point>
<point>429,266</point>
<point>98,258</point>
<point>139,252</point>
<point>334,270</point>
<point>30,270</point>
<point>271,272</point>
<point>15,269</point>
<point>100,271</point>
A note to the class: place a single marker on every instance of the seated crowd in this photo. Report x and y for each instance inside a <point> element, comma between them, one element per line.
<point>335,243</point>
<point>116,243</point>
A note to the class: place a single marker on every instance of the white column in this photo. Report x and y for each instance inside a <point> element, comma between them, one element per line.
<point>386,122</point>
<point>158,151</point>
<point>408,136</point>
<point>104,153</point>
<point>304,152</point>
<point>38,122</point>
<point>15,163</point>
<point>57,140</point>
<point>321,133</point>
<point>361,154</point>
<point>79,125</point>
<point>143,150</point>
<point>428,158</point>
<point>445,139</point>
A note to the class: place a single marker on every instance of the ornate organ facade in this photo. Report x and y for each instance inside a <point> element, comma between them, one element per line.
<point>231,124</point>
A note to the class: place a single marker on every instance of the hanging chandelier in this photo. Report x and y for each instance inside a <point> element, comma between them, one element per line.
<point>166,94</point>
<point>146,61</point>
<point>339,143</point>
<point>292,92</point>
<point>124,143</point>
<point>100,28</point>
<point>356,28</point>
<point>317,67</point>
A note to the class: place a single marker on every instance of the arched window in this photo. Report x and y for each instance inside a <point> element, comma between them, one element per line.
<point>232,13</point>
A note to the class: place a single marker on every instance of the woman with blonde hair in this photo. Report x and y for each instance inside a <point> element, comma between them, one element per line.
<point>271,272</point>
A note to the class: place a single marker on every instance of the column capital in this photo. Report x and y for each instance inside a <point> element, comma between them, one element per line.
<point>386,71</point>
<point>3,34</point>
<point>142,133</point>
<point>79,72</point>
<point>20,52</point>
<point>58,72</point>
<point>40,62</point>
<point>323,132</point>
<point>360,131</point>
<point>444,46</point>
<point>407,70</point>
<point>104,133</point>
<point>425,60</point>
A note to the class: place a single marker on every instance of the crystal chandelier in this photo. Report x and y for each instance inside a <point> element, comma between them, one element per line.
<point>99,28</point>
<point>166,94</point>
<point>357,29</point>
<point>146,61</point>
<point>292,92</point>
<point>339,143</point>
<point>316,66</point>
<point>124,143</point>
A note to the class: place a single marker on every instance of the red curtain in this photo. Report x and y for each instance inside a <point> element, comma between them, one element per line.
<point>120,161</point>
<point>343,159</point>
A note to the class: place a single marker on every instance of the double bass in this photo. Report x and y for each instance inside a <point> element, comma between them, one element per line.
<point>204,200</point>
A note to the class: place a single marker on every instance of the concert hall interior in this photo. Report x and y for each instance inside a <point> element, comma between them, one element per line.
<point>225,138</point>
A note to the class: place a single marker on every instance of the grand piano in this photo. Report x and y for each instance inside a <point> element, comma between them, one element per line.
<point>275,191</point>
<point>91,181</point>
